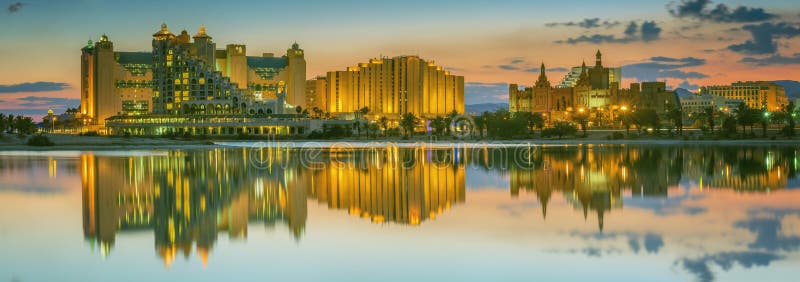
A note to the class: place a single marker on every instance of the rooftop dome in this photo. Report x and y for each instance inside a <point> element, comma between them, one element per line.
<point>163,32</point>
<point>201,33</point>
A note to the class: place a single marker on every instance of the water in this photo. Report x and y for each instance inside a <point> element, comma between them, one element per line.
<point>556,213</point>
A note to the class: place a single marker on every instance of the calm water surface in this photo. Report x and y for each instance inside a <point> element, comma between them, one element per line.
<point>638,213</point>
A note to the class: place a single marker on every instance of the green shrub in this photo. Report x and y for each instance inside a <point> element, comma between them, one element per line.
<point>40,141</point>
<point>89,133</point>
<point>617,135</point>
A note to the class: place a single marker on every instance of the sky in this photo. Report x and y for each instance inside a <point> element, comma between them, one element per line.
<point>687,43</point>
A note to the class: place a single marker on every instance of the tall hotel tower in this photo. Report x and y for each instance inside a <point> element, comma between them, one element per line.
<point>392,87</point>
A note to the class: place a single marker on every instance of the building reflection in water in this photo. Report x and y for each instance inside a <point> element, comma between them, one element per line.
<point>593,178</point>
<point>188,197</point>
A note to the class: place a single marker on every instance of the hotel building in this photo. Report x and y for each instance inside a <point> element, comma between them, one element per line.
<point>114,83</point>
<point>755,94</point>
<point>392,87</point>
<point>596,90</point>
<point>187,76</point>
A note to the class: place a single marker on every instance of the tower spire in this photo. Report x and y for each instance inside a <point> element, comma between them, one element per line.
<point>584,78</point>
<point>599,56</point>
<point>542,81</point>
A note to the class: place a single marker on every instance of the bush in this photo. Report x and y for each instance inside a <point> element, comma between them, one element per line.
<point>559,130</point>
<point>89,133</point>
<point>316,134</point>
<point>616,136</point>
<point>40,141</point>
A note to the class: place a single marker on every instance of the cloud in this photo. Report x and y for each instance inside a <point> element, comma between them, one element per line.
<point>650,31</point>
<point>36,101</point>
<point>586,23</point>
<point>538,69</point>
<point>508,67</point>
<point>768,235</point>
<point>688,61</point>
<point>634,32</point>
<point>697,9</point>
<point>15,7</point>
<point>653,242</point>
<point>764,36</point>
<point>775,59</point>
<point>595,39</point>
<point>690,86</point>
<point>41,86</point>
<point>482,92</point>
<point>520,64</point>
<point>700,267</point>
<point>664,67</point>
<point>633,243</point>
<point>517,60</point>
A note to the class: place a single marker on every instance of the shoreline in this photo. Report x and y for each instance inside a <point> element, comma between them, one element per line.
<point>93,143</point>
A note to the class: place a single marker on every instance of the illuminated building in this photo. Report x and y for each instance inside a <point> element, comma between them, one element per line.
<point>654,95</point>
<point>755,94</point>
<point>395,86</point>
<point>187,76</point>
<point>316,94</point>
<point>113,83</point>
<point>593,89</point>
<point>602,77</point>
<point>541,98</point>
<point>697,103</point>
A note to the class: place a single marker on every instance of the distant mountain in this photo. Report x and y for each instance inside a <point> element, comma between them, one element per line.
<point>683,93</point>
<point>791,87</point>
<point>484,107</point>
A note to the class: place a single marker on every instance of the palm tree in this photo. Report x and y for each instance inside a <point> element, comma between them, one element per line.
<point>582,118</point>
<point>363,111</point>
<point>357,127</point>
<point>789,112</point>
<point>3,123</point>
<point>676,115</point>
<point>537,121</point>
<point>449,120</point>
<point>485,118</point>
<point>373,129</point>
<point>384,122</point>
<point>708,112</point>
<point>627,121</point>
<point>408,121</point>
